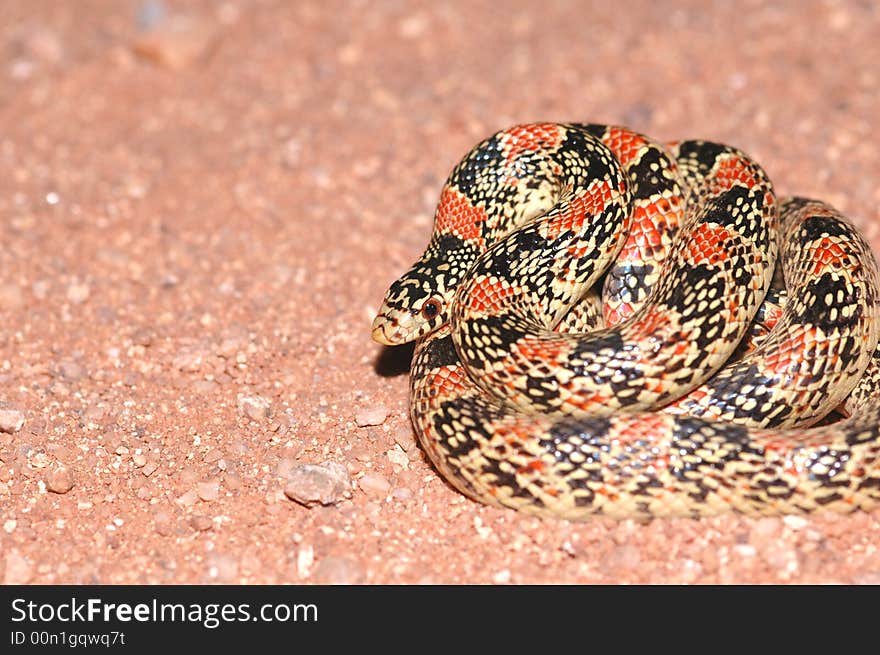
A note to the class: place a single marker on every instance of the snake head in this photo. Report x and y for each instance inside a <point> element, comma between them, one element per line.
<point>414,306</point>
<point>419,302</point>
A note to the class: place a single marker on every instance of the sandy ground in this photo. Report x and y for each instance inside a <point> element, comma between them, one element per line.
<point>202,204</point>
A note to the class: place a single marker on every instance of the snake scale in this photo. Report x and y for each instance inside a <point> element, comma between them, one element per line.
<point>608,325</point>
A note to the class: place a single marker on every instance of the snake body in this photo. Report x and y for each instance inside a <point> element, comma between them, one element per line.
<point>531,390</point>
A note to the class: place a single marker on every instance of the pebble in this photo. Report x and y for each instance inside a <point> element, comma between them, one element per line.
<point>374,485</point>
<point>200,522</point>
<point>209,490</point>
<point>149,468</point>
<point>324,484</point>
<point>187,499</point>
<point>402,494</point>
<point>255,408</point>
<point>338,571</point>
<point>405,438</point>
<point>371,416</point>
<point>232,481</point>
<point>11,420</point>
<point>399,458</point>
<point>60,480</point>
<point>19,570</point>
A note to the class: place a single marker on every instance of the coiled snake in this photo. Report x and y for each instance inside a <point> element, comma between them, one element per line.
<point>587,342</point>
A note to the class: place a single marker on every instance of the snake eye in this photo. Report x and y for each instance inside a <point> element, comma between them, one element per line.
<point>431,308</point>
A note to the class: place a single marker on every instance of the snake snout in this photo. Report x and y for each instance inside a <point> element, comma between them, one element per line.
<point>382,326</point>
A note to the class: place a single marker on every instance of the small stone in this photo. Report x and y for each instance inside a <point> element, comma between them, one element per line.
<point>11,420</point>
<point>19,570</point>
<point>401,459</point>
<point>78,292</point>
<point>324,484</point>
<point>187,499</point>
<point>255,408</point>
<point>200,522</point>
<point>139,459</point>
<point>149,468</point>
<point>404,438</point>
<point>374,485</point>
<point>285,466</point>
<point>230,346</point>
<point>371,416</point>
<point>402,494</point>
<point>338,571</point>
<point>143,336</point>
<point>60,480</point>
<point>209,490</point>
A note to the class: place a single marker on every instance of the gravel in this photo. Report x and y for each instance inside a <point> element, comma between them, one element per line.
<point>195,213</point>
<point>318,484</point>
<point>11,420</point>
<point>371,416</point>
<point>255,408</point>
<point>209,491</point>
<point>60,480</point>
<point>374,485</point>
